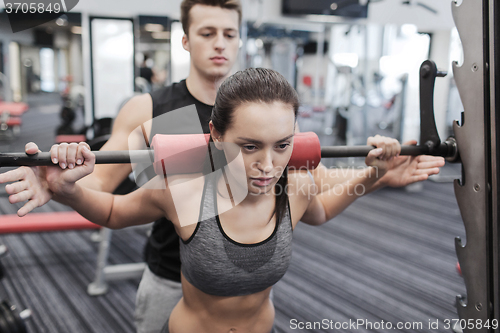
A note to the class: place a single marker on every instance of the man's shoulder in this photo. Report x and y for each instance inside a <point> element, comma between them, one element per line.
<point>174,97</point>
<point>135,112</point>
<point>169,94</point>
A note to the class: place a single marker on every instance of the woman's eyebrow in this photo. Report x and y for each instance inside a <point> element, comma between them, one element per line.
<point>260,142</point>
<point>288,137</point>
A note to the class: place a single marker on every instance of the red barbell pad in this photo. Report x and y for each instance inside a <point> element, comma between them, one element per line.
<point>185,153</point>
<point>182,153</point>
<point>306,152</point>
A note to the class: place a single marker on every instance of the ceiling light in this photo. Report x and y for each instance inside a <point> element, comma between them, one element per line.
<point>151,27</point>
<point>76,30</point>
<point>161,35</point>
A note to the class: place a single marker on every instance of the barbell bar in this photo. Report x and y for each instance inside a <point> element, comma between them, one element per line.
<point>179,150</point>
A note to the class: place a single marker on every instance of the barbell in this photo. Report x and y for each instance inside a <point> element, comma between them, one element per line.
<point>186,153</point>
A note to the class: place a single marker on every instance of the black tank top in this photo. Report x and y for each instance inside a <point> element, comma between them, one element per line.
<point>162,248</point>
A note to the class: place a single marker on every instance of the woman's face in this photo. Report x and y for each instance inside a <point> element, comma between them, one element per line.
<point>263,132</point>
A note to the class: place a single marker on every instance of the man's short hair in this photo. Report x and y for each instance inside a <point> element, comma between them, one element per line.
<point>186,6</point>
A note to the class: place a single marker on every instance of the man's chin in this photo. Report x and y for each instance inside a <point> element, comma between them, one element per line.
<point>218,72</point>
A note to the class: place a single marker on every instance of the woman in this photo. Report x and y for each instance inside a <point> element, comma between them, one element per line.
<point>231,257</point>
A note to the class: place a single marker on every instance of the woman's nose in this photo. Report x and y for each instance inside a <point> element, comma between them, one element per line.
<point>266,163</point>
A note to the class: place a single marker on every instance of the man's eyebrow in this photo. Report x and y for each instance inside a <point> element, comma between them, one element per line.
<point>258,141</point>
<point>214,28</point>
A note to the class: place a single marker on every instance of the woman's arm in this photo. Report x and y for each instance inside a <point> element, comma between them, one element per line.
<point>106,177</point>
<point>332,201</point>
<point>326,205</point>
<point>116,211</point>
<point>139,207</point>
<point>405,170</point>
<point>37,185</point>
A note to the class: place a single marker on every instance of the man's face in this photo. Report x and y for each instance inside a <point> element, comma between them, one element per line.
<point>213,40</point>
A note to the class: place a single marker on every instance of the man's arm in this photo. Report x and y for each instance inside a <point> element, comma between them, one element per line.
<point>106,177</point>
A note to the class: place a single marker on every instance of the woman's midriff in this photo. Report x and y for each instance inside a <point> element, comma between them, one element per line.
<point>203,313</point>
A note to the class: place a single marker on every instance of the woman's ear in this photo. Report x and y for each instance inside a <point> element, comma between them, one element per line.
<point>216,136</point>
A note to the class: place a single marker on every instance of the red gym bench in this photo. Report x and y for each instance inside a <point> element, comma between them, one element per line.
<point>41,222</point>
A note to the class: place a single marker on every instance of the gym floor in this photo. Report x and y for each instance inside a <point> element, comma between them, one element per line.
<point>389,257</point>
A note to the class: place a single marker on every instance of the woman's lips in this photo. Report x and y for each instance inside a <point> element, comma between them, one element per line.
<point>262,181</point>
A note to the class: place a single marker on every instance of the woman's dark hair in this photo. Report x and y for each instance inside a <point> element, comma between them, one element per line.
<point>255,85</point>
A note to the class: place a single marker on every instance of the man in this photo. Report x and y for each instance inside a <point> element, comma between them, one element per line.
<point>211,30</point>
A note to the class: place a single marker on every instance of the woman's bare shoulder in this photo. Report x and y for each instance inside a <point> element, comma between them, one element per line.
<point>185,193</point>
<point>174,190</point>
<point>300,182</point>
<point>301,190</point>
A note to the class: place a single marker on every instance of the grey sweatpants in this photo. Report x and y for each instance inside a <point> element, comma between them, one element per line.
<point>156,298</point>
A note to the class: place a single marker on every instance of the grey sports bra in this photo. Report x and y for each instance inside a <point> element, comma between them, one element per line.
<point>218,265</point>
